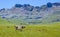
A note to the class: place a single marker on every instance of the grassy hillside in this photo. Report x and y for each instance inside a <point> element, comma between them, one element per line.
<point>52,30</point>
<point>4,22</point>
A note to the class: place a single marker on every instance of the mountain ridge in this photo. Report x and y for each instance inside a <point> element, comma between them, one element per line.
<point>30,14</point>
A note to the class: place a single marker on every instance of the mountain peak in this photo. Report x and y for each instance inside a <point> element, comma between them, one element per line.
<point>18,5</point>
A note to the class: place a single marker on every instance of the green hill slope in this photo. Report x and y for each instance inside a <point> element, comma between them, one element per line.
<point>4,22</point>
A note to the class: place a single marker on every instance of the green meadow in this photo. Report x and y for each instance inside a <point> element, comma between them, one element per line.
<point>31,31</point>
<point>7,29</point>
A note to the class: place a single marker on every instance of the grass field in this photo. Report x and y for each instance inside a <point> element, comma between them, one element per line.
<point>31,31</point>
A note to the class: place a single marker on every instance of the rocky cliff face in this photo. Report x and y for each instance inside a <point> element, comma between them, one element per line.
<point>32,15</point>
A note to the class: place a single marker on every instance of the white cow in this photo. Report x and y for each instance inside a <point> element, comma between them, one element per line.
<point>20,27</point>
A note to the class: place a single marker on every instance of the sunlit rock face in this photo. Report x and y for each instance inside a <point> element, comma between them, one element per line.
<point>32,15</point>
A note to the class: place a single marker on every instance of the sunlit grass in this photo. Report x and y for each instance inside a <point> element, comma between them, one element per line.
<point>31,31</point>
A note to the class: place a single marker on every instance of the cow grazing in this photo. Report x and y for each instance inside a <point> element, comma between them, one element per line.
<point>20,27</point>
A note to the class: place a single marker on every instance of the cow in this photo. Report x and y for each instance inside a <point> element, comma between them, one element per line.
<point>20,27</point>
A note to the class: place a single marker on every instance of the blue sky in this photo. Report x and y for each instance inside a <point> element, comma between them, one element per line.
<point>11,3</point>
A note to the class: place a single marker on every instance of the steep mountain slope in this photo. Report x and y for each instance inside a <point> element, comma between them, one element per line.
<point>32,15</point>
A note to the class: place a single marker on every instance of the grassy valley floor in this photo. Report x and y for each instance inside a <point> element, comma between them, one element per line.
<point>31,31</point>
